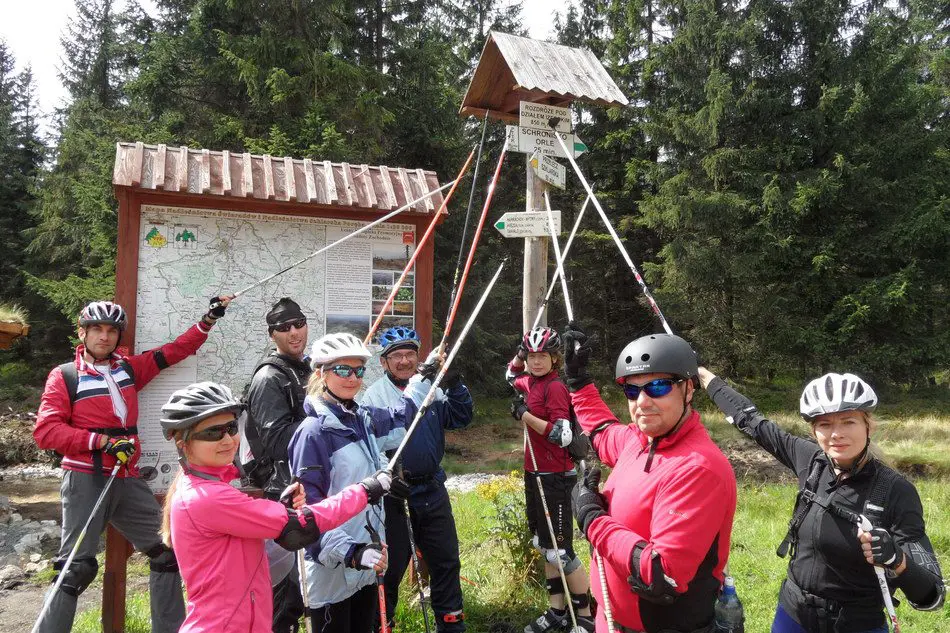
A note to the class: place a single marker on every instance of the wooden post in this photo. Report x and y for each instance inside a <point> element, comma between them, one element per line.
<point>535,280</point>
<point>118,551</point>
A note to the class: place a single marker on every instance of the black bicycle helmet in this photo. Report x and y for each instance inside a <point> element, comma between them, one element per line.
<point>196,402</point>
<point>657,354</point>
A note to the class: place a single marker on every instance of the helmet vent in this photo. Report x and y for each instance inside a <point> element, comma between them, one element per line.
<point>628,359</point>
<point>645,357</point>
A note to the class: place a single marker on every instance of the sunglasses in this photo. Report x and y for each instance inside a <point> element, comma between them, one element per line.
<point>655,388</point>
<point>345,371</point>
<point>216,433</point>
<point>285,327</point>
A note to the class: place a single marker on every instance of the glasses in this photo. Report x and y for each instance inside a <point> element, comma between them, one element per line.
<point>655,388</point>
<point>345,371</point>
<point>216,433</point>
<point>397,357</point>
<point>285,327</point>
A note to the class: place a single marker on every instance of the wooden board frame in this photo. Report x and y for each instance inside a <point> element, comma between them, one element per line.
<point>131,201</point>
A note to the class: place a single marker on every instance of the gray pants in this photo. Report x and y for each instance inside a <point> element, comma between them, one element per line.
<point>132,509</point>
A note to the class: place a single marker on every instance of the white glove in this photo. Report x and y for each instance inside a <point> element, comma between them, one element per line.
<point>368,556</point>
<point>561,434</point>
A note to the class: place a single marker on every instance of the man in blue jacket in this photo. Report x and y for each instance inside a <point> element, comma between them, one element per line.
<point>430,510</point>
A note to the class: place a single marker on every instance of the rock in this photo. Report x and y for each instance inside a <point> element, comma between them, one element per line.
<point>467,483</point>
<point>30,526</point>
<point>29,542</point>
<point>4,503</point>
<point>15,518</point>
<point>34,568</point>
<point>49,522</point>
<point>35,558</point>
<point>11,576</point>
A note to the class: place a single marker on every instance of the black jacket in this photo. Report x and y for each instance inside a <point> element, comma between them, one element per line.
<point>827,562</point>
<point>275,407</point>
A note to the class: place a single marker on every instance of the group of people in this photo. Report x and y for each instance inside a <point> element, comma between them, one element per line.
<point>320,447</point>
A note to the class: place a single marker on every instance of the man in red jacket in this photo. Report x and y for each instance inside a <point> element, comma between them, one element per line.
<point>88,413</point>
<point>663,523</point>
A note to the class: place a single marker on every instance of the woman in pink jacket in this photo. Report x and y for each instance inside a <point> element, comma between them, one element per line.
<point>218,532</point>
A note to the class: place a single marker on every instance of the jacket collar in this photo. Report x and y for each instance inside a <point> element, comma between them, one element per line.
<point>689,426</point>
<point>222,473</point>
<point>331,412</point>
<point>82,365</point>
<point>534,381</point>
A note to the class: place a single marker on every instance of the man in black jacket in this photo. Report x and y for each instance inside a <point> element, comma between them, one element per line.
<point>275,409</point>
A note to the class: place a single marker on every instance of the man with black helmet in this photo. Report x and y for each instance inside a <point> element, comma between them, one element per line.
<point>662,524</point>
<point>275,410</point>
<point>88,413</point>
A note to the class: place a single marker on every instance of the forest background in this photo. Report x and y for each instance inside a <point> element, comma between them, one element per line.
<point>782,173</point>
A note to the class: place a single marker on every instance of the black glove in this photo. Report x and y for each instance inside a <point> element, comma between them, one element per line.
<point>577,349</point>
<point>518,407</point>
<point>884,550</point>
<point>522,353</point>
<point>430,367</point>
<point>452,378</point>
<point>377,486</point>
<point>400,489</point>
<point>217,309</point>
<point>586,501</point>
<point>365,556</point>
<point>121,448</point>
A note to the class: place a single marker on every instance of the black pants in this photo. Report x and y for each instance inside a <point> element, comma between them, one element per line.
<point>433,527</point>
<point>288,604</point>
<point>356,614</point>
<point>557,494</point>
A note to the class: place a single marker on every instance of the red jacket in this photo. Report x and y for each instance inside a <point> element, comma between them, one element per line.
<point>64,427</point>
<point>547,398</point>
<point>683,509</point>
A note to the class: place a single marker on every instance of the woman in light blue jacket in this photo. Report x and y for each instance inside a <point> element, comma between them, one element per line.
<point>338,444</point>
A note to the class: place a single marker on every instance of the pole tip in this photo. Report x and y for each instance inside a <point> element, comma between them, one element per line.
<point>553,121</point>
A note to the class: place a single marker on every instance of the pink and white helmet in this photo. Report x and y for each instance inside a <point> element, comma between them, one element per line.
<point>836,392</point>
<point>541,339</point>
<point>104,313</point>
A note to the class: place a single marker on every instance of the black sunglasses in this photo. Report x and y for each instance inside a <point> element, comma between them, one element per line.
<point>655,388</point>
<point>285,327</point>
<point>345,371</point>
<point>216,433</point>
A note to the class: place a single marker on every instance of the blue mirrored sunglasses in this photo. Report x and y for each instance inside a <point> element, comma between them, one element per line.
<point>345,371</point>
<point>655,388</point>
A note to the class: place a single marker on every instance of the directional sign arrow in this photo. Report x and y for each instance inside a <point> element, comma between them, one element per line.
<point>527,223</point>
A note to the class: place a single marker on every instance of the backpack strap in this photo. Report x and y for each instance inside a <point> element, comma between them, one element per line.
<point>875,505</point>
<point>806,497</point>
<point>71,378</point>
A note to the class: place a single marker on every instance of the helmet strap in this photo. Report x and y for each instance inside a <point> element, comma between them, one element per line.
<point>402,383</point>
<point>346,404</point>
<point>859,462</point>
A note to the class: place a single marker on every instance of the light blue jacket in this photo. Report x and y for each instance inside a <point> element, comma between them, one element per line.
<point>333,448</point>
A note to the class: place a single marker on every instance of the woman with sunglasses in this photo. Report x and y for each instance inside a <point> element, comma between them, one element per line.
<point>218,531</point>
<point>831,584</point>
<point>663,523</point>
<point>338,444</point>
<point>544,406</point>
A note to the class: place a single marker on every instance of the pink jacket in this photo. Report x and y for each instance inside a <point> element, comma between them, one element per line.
<point>218,534</point>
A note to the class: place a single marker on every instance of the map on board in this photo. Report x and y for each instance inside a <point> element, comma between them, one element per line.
<point>187,256</point>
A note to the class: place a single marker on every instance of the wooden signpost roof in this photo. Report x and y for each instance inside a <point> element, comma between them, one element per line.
<point>514,69</point>
<point>274,178</point>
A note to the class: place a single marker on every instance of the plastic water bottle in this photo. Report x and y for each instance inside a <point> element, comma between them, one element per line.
<point>730,617</point>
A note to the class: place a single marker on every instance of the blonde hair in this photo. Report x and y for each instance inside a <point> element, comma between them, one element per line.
<point>317,385</point>
<point>166,530</point>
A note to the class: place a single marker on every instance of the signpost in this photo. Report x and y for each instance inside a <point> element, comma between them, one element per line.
<point>529,140</point>
<point>549,170</point>
<point>527,224</point>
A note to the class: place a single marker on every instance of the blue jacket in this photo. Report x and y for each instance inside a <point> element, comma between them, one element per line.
<point>422,457</point>
<point>331,449</point>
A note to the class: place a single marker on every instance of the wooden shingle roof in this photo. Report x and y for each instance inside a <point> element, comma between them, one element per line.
<point>282,179</point>
<point>512,69</point>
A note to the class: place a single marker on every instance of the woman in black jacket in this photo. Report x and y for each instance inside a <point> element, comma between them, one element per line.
<point>831,585</point>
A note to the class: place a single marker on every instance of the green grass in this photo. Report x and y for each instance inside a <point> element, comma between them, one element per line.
<point>504,598</point>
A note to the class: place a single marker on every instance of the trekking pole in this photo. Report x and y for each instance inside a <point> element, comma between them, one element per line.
<point>301,560</point>
<point>558,258</point>
<point>415,255</point>
<point>383,619</point>
<point>608,614</point>
<point>457,294</point>
<point>610,229</point>
<point>427,401</point>
<point>414,556</point>
<point>557,273</point>
<point>864,525</point>
<point>547,520</point>
<point>72,553</point>
<point>362,229</point>
<point>468,217</point>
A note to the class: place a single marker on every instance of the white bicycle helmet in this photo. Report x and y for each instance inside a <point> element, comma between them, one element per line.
<point>196,402</point>
<point>105,313</point>
<point>836,392</point>
<point>331,347</point>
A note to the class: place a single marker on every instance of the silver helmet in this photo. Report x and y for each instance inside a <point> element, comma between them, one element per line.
<point>196,402</point>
